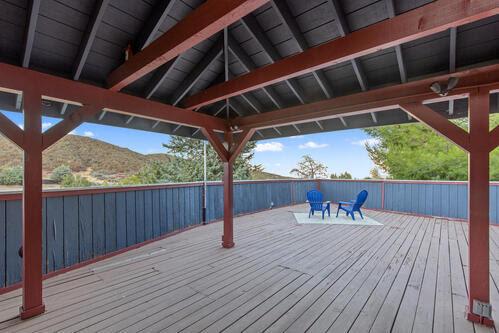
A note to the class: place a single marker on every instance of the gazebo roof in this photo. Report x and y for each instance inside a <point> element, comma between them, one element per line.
<point>86,41</point>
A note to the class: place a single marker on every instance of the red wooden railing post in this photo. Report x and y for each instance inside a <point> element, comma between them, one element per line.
<point>478,208</point>
<point>32,304</point>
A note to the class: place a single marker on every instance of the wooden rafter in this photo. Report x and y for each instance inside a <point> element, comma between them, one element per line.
<point>390,5</point>
<point>287,18</point>
<point>252,26</point>
<point>197,72</point>
<point>29,33</point>
<point>152,24</point>
<point>421,22</point>
<point>89,37</point>
<point>209,18</point>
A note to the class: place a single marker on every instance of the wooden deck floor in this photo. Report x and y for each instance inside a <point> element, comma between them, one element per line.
<point>406,276</point>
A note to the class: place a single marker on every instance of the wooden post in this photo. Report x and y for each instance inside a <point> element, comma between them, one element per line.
<point>228,182</point>
<point>32,207</point>
<point>478,207</point>
<point>228,152</point>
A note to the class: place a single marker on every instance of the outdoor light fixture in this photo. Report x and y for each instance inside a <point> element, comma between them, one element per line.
<point>234,128</point>
<point>441,90</point>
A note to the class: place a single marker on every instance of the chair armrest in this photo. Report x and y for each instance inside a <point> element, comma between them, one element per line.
<point>345,202</point>
<point>327,202</point>
<point>307,201</point>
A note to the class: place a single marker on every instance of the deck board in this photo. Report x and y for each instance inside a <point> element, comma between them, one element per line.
<point>407,276</point>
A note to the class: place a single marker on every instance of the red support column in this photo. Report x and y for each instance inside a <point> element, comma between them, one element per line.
<point>228,181</point>
<point>478,207</point>
<point>32,207</point>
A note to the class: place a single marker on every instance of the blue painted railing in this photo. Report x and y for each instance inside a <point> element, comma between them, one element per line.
<point>80,225</point>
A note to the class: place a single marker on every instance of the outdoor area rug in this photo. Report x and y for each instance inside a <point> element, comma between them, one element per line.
<point>342,219</point>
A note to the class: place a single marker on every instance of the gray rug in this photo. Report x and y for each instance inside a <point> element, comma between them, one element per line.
<point>302,218</point>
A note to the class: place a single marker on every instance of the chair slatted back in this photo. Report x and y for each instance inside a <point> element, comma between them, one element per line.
<point>361,198</point>
<point>315,199</point>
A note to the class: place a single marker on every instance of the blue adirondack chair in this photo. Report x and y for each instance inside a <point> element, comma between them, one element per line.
<point>353,205</point>
<point>315,199</point>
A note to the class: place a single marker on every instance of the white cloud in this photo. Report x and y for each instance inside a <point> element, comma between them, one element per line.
<point>89,134</point>
<point>296,137</point>
<point>370,142</point>
<point>73,132</point>
<point>46,125</point>
<point>269,146</point>
<point>313,145</point>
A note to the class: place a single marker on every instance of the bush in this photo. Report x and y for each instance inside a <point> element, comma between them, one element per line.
<point>59,173</point>
<point>75,181</point>
<point>11,176</point>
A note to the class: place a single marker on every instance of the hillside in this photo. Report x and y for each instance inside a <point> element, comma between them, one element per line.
<point>83,154</point>
<point>87,156</point>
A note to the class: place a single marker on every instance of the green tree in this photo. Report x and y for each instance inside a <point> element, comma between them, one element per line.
<point>343,175</point>
<point>59,173</point>
<point>414,151</point>
<point>310,168</point>
<point>11,176</point>
<point>187,163</point>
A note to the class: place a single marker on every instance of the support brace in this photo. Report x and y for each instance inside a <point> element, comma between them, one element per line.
<point>75,119</point>
<point>228,151</point>
<point>439,123</point>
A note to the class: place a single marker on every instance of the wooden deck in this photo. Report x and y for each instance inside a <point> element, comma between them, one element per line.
<point>406,276</point>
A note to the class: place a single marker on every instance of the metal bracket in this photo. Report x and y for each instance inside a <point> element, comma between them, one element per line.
<point>482,309</point>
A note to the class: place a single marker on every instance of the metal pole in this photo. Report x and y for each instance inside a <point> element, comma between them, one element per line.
<point>205,186</point>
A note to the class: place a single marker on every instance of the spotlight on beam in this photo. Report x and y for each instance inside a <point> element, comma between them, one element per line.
<point>443,90</point>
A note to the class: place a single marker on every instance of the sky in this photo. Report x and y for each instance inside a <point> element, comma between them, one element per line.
<point>340,150</point>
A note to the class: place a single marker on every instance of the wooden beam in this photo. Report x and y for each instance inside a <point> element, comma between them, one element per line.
<point>206,20</point>
<point>152,24</point>
<point>75,119</point>
<point>380,99</point>
<point>439,123</point>
<point>19,79</point>
<point>89,37</point>
<point>418,23</point>
<point>11,131</point>
<point>29,33</point>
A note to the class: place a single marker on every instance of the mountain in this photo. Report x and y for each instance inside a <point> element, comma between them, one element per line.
<point>92,158</point>
<point>83,154</point>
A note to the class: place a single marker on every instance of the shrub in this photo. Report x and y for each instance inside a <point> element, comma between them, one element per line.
<point>75,181</point>
<point>11,176</point>
<point>59,173</point>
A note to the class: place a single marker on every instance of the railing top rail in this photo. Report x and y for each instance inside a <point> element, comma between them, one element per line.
<point>48,193</point>
<point>17,195</point>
